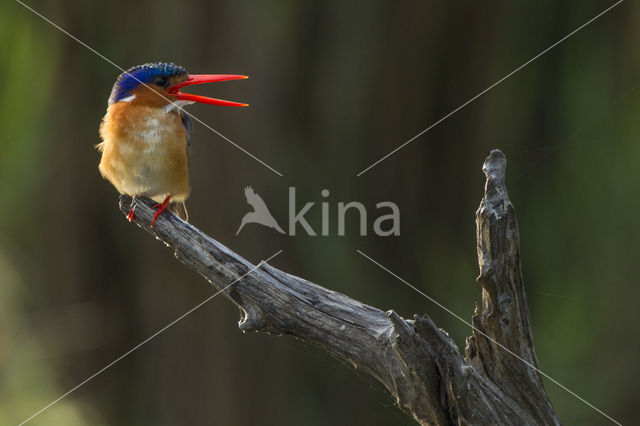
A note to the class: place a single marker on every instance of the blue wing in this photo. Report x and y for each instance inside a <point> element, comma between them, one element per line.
<point>187,124</point>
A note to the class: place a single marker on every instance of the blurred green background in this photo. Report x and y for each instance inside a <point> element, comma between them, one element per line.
<point>334,86</point>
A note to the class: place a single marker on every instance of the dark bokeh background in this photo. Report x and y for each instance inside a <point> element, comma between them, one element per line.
<point>334,86</point>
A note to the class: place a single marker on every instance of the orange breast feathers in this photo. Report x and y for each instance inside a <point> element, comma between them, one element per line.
<point>144,148</point>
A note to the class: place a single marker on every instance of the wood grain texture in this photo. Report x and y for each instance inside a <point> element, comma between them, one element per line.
<point>417,361</point>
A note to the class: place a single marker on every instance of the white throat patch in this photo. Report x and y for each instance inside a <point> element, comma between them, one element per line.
<point>176,105</point>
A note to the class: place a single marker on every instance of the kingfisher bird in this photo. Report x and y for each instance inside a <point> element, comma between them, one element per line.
<point>145,133</point>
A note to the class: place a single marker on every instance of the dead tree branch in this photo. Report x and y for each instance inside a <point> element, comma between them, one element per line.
<point>417,362</point>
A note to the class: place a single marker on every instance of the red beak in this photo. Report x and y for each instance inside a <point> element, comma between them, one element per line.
<point>205,78</point>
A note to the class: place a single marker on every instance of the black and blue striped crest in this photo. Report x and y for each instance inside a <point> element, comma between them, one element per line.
<point>147,73</point>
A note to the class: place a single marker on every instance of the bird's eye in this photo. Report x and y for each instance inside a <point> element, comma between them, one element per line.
<point>161,81</point>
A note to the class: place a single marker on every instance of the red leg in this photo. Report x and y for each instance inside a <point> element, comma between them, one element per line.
<point>160,208</point>
<point>131,214</point>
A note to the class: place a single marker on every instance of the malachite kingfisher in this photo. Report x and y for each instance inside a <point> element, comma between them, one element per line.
<point>145,133</point>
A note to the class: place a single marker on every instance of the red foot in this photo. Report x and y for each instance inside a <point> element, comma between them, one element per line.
<point>160,208</point>
<point>131,215</point>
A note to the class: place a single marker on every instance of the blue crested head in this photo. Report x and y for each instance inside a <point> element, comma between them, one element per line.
<point>158,73</point>
<point>165,80</point>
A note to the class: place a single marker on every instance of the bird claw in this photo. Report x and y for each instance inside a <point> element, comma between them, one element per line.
<point>131,215</point>
<point>160,208</point>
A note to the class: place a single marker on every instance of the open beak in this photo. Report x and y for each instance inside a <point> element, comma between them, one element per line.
<point>205,78</point>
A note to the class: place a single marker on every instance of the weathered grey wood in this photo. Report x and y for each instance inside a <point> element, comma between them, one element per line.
<point>504,316</point>
<point>417,362</point>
